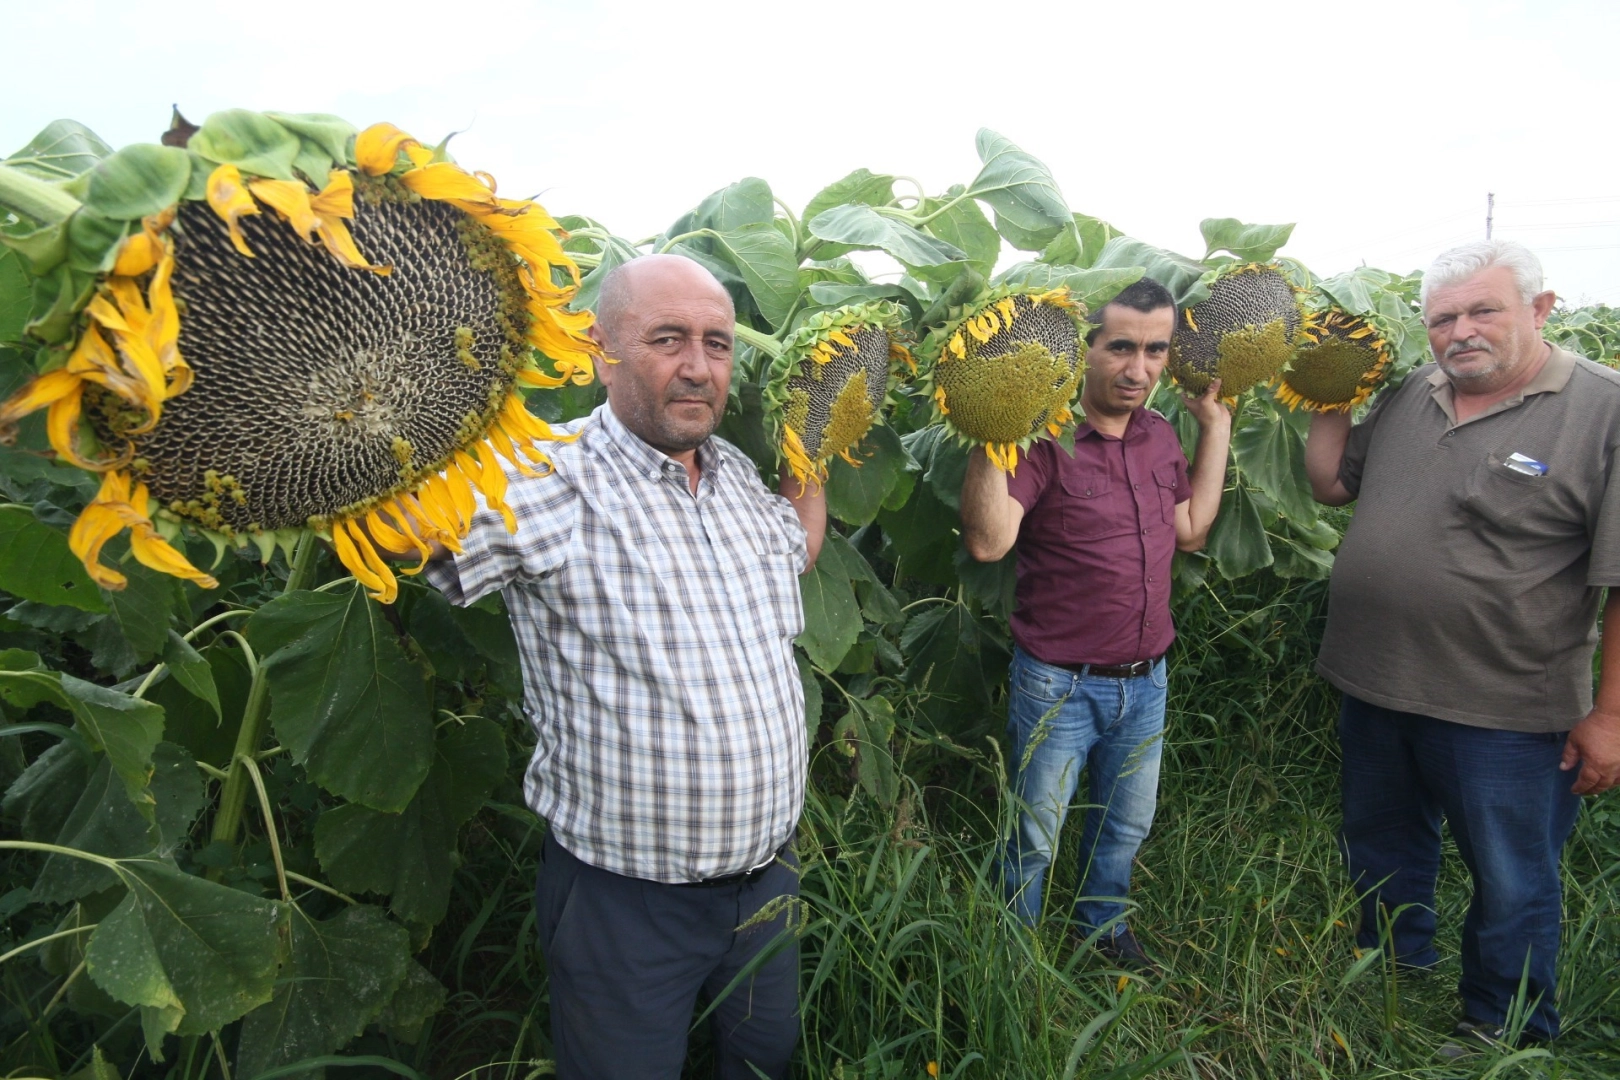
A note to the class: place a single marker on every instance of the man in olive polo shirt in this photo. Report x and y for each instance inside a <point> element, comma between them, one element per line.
<point>1461,624</point>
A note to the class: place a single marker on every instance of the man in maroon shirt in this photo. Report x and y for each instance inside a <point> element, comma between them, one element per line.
<point>1095,534</point>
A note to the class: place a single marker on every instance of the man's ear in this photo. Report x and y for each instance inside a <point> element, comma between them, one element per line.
<point>603,363</point>
<point>1542,305</point>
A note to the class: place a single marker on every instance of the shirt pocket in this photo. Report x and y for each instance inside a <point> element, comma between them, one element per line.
<point>1094,506</point>
<point>1165,478</point>
<point>1503,498</point>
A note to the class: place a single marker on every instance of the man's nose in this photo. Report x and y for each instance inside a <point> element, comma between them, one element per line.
<point>694,363</point>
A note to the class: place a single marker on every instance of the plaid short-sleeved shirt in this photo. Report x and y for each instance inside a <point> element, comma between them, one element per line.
<point>656,630</point>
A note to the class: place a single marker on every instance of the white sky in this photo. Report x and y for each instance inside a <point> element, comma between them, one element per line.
<point>1378,126</point>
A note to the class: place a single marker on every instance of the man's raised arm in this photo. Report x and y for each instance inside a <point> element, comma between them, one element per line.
<point>990,516</point>
<point>1324,453</point>
<point>810,503</point>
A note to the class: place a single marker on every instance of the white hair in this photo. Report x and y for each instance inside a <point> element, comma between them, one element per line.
<point>1461,263</point>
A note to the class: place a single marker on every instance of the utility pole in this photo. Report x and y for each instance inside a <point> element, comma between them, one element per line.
<point>1490,209</point>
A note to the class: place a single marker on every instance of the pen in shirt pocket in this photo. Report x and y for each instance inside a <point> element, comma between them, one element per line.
<point>1527,466</point>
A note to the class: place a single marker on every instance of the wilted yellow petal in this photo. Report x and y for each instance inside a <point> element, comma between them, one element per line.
<point>229,197</point>
<point>343,544</point>
<point>376,149</point>
<point>290,199</point>
<point>492,482</point>
<point>152,550</point>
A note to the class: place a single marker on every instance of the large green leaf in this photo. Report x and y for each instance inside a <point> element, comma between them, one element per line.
<point>101,823</point>
<point>16,296</point>
<point>344,699</point>
<point>615,252</point>
<point>1093,288</point>
<point>251,141</point>
<point>1080,245</point>
<point>62,151</point>
<point>94,239</point>
<point>923,536</point>
<point>124,727</point>
<point>418,997</point>
<point>331,134</point>
<point>191,670</point>
<point>991,585</point>
<point>194,955</point>
<point>145,608</point>
<point>1270,453</point>
<point>863,227</point>
<point>1030,210</point>
<point>36,563</point>
<point>1237,541</point>
<point>1184,277</point>
<point>339,976</point>
<point>861,186</point>
<point>138,180</point>
<point>877,602</point>
<point>409,856</point>
<point>812,694</point>
<point>767,262</point>
<point>1251,243</point>
<point>832,615</point>
<point>963,225</point>
<point>953,663</point>
<point>41,799</point>
<point>855,495</point>
<point>747,202</point>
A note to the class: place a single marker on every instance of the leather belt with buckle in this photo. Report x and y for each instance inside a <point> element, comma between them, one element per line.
<point>1114,671</point>
<point>745,877</point>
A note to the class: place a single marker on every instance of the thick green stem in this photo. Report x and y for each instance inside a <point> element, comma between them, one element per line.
<point>233,795</point>
<point>765,343</point>
<point>33,198</point>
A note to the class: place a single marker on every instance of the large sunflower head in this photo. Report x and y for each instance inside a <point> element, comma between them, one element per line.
<point>1342,359</point>
<point>1243,333</point>
<point>277,351</point>
<point>827,387</point>
<point>1005,369</point>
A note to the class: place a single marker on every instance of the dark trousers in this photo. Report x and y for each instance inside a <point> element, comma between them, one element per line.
<point>1509,809</point>
<point>629,959</point>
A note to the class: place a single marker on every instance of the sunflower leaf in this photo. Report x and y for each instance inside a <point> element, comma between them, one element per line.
<point>1030,210</point>
<point>37,564</point>
<point>1091,287</point>
<point>344,698</point>
<point>194,955</point>
<point>1251,243</point>
<point>747,202</point>
<point>865,228</point>
<point>964,225</point>
<point>951,658</point>
<point>138,180</point>
<point>855,495</point>
<point>832,616</point>
<point>767,263</point>
<point>1269,451</point>
<point>16,296</point>
<point>1184,277</point>
<point>191,670</point>
<point>251,141</point>
<point>63,150</point>
<point>1237,542</point>
<point>409,856</point>
<point>331,135</point>
<point>340,974</point>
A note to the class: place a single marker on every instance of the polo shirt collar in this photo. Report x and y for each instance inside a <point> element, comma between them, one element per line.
<point>1135,428</point>
<point>1551,379</point>
<point>650,462</point>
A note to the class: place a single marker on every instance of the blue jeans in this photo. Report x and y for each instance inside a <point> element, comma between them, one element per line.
<point>1509,809</point>
<point>1060,722</point>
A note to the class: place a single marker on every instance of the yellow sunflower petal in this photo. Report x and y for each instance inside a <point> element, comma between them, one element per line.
<point>349,555</point>
<point>401,540</point>
<point>92,529</point>
<point>491,480</point>
<point>290,199</point>
<point>376,149</point>
<point>152,550</point>
<point>229,197</point>
<point>39,392</point>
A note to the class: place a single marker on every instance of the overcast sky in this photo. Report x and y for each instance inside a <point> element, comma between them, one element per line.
<point>1378,127</point>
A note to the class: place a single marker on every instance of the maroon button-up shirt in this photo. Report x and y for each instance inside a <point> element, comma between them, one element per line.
<point>1095,545</point>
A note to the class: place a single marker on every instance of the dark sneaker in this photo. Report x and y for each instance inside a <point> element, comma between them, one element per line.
<point>1125,952</point>
<point>1470,1037</point>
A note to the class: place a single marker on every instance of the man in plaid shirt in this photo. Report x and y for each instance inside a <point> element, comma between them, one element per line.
<point>653,587</point>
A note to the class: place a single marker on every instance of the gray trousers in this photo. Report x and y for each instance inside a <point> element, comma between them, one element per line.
<point>628,961</point>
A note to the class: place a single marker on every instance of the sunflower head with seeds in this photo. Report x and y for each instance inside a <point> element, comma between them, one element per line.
<point>1341,359</point>
<point>1004,370</point>
<point>302,327</point>
<point>828,385</point>
<point>1243,333</point>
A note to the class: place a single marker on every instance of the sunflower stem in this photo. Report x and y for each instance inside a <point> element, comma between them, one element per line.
<point>40,200</point>
<point>765,343</point>
<point>233,793</point>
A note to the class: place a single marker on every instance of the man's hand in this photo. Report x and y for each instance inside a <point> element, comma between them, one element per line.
<point>1208,408</point>
<point>1594,744</point>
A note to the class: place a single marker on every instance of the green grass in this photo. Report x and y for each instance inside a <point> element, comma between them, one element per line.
<point>909,958</point>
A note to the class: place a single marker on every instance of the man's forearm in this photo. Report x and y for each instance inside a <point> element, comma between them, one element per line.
<point>1208,479</point>
<point>1324,453</point>
<point>810,503</point>
<point>988,530</point>
<point>1607,698</point>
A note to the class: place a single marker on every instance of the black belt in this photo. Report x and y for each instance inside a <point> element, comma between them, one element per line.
<point>746,877</point>
<point>1114,671</point>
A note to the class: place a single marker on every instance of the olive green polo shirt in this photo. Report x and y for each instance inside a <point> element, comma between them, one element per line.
<point>1468,583</point>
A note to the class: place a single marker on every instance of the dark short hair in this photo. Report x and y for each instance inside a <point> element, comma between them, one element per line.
<point>1142,295</point>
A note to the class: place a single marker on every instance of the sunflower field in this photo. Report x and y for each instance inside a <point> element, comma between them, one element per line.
<point>262,811</point>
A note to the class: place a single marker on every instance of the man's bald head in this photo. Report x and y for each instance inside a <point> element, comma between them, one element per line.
<point>621,285</point>
<point>666,326</point>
